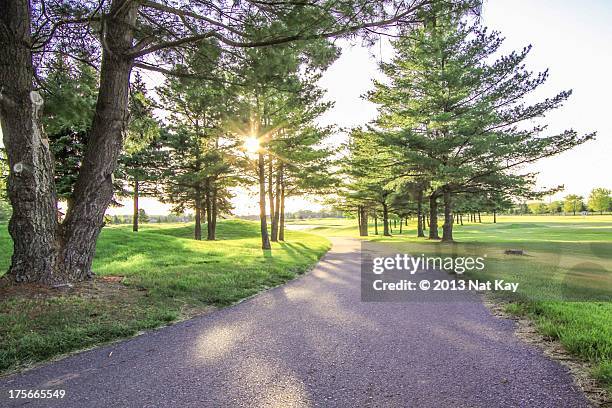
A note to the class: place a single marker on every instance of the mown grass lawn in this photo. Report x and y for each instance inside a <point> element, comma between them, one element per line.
<point>166,275</point>
<point>565,280</point>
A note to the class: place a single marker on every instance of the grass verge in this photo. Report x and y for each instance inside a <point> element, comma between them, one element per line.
<point>144,280</point>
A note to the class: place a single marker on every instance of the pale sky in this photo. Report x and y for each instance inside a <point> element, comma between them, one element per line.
<point>572,39</point>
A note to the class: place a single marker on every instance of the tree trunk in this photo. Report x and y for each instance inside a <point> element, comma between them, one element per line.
<point>198,217</point>
<point>375,224</point>
<point>208,208</point>
<point>461,219</point>
<point>93,190</point>
<point>34,224</point>
<point>69,203</point>
<point>276,214</point>
<point>265,239</point>
<point>362,217</point>
<point>479,218</point>
<point>135,216</point>
<point>273,219</point>
<point>44,252</point>
<point>420,232</point>
<point>211,230</point>
<point>447,228</point>
<point>433,216</point>
<point>281,223</point>
<point>386,232</point>
<point>401,224</point>
<point>494,217</point>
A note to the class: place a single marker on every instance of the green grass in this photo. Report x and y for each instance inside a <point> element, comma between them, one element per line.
<point>331,227</point>
<point>167,274</point>
<point>565,281</point>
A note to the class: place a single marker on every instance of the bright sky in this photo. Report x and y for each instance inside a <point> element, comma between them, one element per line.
<point>570,38</point>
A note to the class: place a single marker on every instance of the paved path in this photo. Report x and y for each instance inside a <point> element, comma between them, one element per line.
<point>313,343</point>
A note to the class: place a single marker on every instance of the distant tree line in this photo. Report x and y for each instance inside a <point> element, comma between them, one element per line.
<point>144,218</point>
<point>598,201</point>
<point>304,215</point>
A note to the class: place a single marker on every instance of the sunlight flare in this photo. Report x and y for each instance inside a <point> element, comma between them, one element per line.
<point>251,145</point>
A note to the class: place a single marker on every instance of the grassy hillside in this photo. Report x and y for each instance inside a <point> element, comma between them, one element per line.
<point>164,275</point>
<point>565,279</point>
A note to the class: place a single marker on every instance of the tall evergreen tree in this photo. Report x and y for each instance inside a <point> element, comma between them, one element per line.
<point>199,170</point>
<point>457,116</point>
<point>279,97</point>
<point>367,179</point>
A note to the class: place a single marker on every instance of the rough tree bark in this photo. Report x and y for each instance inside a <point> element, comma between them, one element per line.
<point>135,215</point>
<point>433,216</point>
<point>93,190</point>
<point>34,226</point>
<point>447,228</point>
<point>265,239</point>
<point>45,251</point>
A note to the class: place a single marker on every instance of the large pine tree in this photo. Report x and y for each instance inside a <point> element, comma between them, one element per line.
<point>199,169</point>
<point>456,113</point>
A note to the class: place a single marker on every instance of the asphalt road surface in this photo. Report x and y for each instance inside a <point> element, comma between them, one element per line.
<point>314,343</point>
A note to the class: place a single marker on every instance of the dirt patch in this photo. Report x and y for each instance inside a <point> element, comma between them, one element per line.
<point>103,288</point>
<point>112,279</point>
<point>98,288</point>
<point>527,331</point>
